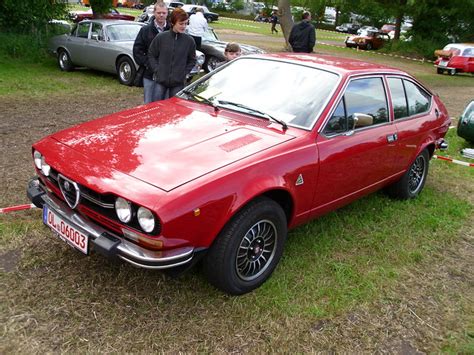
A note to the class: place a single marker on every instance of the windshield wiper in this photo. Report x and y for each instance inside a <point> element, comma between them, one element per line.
<point>202,99</point>
<point>251,109</point>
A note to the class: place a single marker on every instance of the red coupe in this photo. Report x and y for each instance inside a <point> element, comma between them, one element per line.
<point>455,58</point>
<point>221,171</point>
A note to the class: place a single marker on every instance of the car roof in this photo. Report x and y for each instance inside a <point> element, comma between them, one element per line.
<point>105,21</point>
<point>460,46</point>
<point>339,65</point>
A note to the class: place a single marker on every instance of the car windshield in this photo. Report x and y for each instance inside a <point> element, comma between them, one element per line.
<point>293,93</point>
<point>210,35</point>
<point>124,32</point>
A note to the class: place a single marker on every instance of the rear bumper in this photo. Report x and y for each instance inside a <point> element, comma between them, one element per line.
<point>107,243</point>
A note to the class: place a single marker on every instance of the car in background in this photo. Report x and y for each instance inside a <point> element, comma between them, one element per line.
<point>388,27</point>
<point>367,28</point>
<point>113,14</point>
<point>348,28</point>
<point>208,15</point>
<point>213,49</point>
<point>220,172</point>
<point>367,40</point>
<point>105,45</point>
<point>146,15</point>
<point>174,4</point>
<point>455,58</point>
<point>465,127</point>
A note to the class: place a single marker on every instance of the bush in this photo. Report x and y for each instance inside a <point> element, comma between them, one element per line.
<point>28,47</point>
<point>416,48</point>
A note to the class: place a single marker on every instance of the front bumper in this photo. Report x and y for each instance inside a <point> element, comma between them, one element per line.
<point>106,242</point>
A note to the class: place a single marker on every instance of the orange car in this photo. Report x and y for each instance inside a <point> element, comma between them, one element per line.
<point>367,40</point>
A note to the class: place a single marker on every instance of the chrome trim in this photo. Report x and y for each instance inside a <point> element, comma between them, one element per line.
<point>65,185</point>
<point>130,252</point>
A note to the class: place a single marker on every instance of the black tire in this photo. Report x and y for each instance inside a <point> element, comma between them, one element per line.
<point>211,63</point>
<point>248,249</point>
<point>126,71</point>
<point>452,72</point>
<point>439,71</point>
<point>368,46</point>
<point>412,182</point>
<point>64,60</point>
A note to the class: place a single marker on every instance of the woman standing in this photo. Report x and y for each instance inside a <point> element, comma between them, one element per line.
<point>172,56</point>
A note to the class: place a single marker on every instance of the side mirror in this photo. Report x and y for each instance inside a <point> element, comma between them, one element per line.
<point>362,120</point>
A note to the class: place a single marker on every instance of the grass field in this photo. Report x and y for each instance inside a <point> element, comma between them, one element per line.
<point>376,276</point>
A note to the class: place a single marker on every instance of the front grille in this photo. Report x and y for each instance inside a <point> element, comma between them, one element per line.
<point>98,207</point>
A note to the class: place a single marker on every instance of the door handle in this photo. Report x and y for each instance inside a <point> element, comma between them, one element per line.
<point>392,138</point>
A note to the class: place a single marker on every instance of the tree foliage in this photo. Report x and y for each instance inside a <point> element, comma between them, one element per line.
<point>100,7</point>
<point>30,16</point>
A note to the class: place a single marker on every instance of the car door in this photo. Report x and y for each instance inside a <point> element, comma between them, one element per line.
<point>76,43</point>
<point>411,110</point>
<point>357,145</point>
<point>97,50</point>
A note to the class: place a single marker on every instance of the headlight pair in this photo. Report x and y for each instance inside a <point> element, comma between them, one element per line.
<point>124,211</point>
<point>40,163</point>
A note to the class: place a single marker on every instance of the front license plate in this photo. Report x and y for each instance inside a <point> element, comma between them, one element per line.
<point>65,231</point>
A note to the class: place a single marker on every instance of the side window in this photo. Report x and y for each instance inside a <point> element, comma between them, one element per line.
<point>83,30</point>
<point>418,99</point>
<point>367,96</point>
<point>338,121</point>
<point>96,30</point>
<point>399,100</point>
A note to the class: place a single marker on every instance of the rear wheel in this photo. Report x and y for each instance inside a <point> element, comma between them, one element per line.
<point>64,61</point>
<point>126,71</point>
<point>248,249</point>
<point>452,71</point>
<point>368,46</point>
<point>439,71</point>
<point>412,182</point>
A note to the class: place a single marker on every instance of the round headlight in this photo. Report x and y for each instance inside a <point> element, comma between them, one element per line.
<point>37,159</point>
<point>146,219</point>
<point>123,208</point>
<point>45,168</point>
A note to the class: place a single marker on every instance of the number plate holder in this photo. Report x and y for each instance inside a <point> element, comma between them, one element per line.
<point>66,231</point>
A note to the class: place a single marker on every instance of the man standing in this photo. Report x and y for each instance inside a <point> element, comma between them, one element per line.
<point>303,35</point>
<point>172,56</point>
<point>142,44</point>
<point>274,21</point>
<point>197,27</point>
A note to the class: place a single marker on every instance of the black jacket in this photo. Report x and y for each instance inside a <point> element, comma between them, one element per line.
<point>302,37</point>
<point>171,57</point>
<point>142,44</point>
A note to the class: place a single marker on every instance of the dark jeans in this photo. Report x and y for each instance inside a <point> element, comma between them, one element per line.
<point>164,92</point>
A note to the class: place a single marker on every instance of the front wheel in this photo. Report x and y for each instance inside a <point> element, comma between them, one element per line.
<point>64,61</point>
<point>368,46</point>
<point>452,71</point>
<point>412,182</point>
<point>211,64</point>
<point>126,71</point>
<point>248,249</point>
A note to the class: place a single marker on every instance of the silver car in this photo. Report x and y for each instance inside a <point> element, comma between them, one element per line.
<point>105,45</point>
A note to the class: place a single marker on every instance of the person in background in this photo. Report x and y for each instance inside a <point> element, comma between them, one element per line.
<point>172,56</point>
<point>197,27</point>
<point>274,21</point>
<point>303,35</point>
<point>232,50</point>
<point>140,49</point>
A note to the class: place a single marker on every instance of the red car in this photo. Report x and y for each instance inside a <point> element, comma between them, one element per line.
<point>221,171</point>
<point>78,16</point>
<point>367,40</point>
<point>455,58</point>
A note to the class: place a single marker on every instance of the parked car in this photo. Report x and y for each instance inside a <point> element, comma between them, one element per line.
<point>220,172</point>
<point>388,27</point>
<point>466,123</point>
<point>209,16</point>
<point>146,15</point>
<point>105,45</point>
<point>367,28</point>
<point>367,40</point>
<point>174,4</point>
<point>78,16</point>
<point>213,50</point>
<point>455,58</point>
<point>348,28</point>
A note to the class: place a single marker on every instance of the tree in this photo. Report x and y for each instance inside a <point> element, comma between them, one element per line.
<point>286,21</point>
<point>100,7</point>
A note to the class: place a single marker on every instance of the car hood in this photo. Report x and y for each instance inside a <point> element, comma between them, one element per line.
<point>245,48</point>
<point>170,143</point>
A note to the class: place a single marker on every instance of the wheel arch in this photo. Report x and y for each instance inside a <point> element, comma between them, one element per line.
<point>123,55</point>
